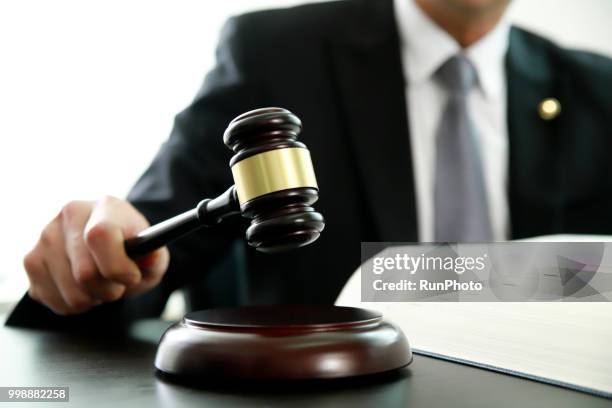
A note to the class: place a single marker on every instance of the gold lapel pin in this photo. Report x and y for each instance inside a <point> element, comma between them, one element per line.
<point>549,108</point>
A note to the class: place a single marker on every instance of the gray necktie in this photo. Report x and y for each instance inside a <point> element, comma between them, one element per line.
<point>461,211</point>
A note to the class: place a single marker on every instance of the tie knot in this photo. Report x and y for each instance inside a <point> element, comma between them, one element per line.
<point>457,74</point>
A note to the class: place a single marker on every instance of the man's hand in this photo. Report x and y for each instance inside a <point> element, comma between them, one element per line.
<point>80,262</point>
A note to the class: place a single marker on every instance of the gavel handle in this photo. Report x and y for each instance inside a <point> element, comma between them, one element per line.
<point>207,213</point>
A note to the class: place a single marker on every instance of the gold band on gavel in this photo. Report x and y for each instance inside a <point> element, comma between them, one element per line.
<point>272,171</point>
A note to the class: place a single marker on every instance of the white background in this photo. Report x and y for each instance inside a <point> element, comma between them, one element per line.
<point>89,89</point>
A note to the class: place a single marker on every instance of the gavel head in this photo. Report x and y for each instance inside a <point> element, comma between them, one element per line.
<point>274,179</point>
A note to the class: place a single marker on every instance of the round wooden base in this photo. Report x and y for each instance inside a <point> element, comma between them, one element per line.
<point>282,343</point>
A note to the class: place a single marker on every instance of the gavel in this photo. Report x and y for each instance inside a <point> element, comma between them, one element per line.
<point>274,186</point>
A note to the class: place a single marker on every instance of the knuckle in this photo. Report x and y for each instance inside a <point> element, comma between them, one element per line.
<point>55,307</point>
<point>71,209</point>
<point>113,294</point>
<point>46,238</point>
<point>97,232</point>
<point>68,210</point>
<point>31,263</point>
<point>85,274</point>
<point>107,200</point>
<point>77,301</point>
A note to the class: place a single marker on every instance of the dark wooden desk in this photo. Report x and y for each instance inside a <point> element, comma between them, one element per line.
<point>119,373</point>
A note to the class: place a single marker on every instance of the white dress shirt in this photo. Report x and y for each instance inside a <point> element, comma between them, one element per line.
<point>424,48</point>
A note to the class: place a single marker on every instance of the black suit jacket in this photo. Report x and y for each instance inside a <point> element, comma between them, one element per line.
<point>337,66</point>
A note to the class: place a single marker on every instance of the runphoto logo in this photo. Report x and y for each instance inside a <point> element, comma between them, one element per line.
<point>413,264</point>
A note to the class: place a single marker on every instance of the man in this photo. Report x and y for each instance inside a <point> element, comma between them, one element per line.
<point>427,120</point>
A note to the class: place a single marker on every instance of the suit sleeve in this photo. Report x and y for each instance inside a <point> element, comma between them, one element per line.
<point>190,166</point>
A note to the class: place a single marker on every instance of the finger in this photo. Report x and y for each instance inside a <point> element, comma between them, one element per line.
<point>85,273</point>
<point>82,265</point>
<point>42,288</point>
<point>111,221</point>
<point>105,242</point>
<point>57,265</point>
<point>153,267</point>
<point>62,284</point>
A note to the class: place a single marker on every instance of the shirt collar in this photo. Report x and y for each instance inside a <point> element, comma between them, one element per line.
<point>426,46</point>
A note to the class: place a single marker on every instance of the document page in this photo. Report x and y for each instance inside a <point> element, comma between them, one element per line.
<point>564,343</point>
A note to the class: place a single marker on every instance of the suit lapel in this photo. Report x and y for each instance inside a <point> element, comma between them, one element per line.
<point>371,88</point>
<point>534,185</point>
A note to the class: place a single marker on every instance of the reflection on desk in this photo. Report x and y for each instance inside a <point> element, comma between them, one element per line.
<point>119,372</point>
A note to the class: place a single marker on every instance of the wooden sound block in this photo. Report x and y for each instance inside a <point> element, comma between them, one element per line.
<point>282,343</point>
